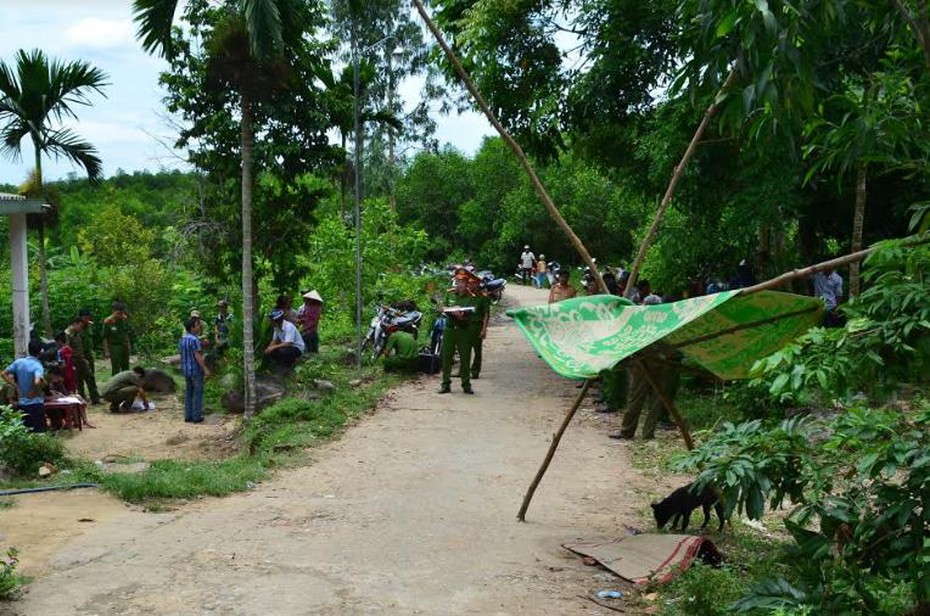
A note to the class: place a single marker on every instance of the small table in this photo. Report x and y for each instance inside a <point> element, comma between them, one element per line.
<point>64,412</point>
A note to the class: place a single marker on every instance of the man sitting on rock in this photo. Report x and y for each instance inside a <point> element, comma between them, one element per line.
<point>121,390</point>
<point>286,345</point>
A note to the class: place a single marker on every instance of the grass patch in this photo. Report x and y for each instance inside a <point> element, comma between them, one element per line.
<point>7,503</point>
<point>707,591</point>
<point>277,437</point>
<point>704,409</point>
<point>173,479</point>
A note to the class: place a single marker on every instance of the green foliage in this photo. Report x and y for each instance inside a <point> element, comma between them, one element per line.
<point>23,451</point>
<point>751,464</point>
<point>886,338</point>
<point>486,208</point>
<point>390,252</point>
<point>37,93</point>
<point>860,483</point>
<point>706,591</point>
<point>289,111</point>
<point>9,580</point>
<point>113,238</point>
<point>702,589</point>
<point>186,479</point>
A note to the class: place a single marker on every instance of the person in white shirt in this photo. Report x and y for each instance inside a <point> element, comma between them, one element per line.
<point>527,264</point>
<point>286,345</point>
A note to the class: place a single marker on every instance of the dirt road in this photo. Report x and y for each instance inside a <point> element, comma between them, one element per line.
<point>412,511</point>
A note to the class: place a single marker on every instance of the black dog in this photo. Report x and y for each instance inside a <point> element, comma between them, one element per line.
<point>680,503</point>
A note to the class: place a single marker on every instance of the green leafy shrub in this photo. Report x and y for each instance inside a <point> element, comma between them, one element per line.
<point>23,451</point>
<point>9,580</point>
<point>706,591</point>
<point>886,338</point>
<point>861,485</point>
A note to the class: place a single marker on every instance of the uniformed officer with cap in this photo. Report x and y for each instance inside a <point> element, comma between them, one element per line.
<point>81,340</point>
<point>464,309</point>
<point>117,338</point>
<point>479,328</point>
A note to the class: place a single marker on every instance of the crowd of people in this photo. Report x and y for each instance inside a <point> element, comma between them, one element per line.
<point>67,367</point>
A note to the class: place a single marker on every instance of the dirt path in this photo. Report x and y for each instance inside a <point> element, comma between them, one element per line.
<point>411,512</point>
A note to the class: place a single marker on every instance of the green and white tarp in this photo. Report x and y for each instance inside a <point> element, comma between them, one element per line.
<point>724,332</point>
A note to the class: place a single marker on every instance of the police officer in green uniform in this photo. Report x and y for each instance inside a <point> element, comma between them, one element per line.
<point>81,341</point>
<point>117,338</point>
<point>479,332</point>
<point>463,309</point>
<point>405,356</point>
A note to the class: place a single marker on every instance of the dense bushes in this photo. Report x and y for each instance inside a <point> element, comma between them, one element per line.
<point>860,484</point>
<point>885,341</point>
<point>23,451</point>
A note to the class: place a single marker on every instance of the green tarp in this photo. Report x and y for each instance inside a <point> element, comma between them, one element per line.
<point>723,332</point>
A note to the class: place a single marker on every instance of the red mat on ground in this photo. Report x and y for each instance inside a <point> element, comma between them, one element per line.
<point>646,557</point>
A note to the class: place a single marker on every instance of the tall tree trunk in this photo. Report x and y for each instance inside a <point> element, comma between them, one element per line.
<point>43,280</point>
<point>343,179</point>
<point>392,200</point>
<point>43,270</point>
<point>248,307</point>
<point>858,222</point>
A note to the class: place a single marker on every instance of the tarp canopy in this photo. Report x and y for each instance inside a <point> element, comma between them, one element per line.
<point>723,332</point>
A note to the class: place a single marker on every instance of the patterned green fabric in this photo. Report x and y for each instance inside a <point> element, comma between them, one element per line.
<point>581,337</point>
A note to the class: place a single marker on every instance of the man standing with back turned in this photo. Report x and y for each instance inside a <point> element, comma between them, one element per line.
<point>194,370</point>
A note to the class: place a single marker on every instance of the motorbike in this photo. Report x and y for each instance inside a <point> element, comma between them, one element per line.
<point>388,319</point>
<point>493,287</point>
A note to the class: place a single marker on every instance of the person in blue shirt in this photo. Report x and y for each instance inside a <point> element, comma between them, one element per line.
<point>26,374</point>
<point>194,370</point>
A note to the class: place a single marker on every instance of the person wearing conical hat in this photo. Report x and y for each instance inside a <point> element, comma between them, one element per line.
<point>308,320</point>
<point>463,308</point>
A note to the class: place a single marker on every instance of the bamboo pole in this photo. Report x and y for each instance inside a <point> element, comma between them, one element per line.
<point>521,516</point>
<point>673,183</point>
<point>517,150</point>
<point>806,272</point>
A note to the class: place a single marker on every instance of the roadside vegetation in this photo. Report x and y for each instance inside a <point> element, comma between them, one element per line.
<point>810,151</point>
<point>837,444</point>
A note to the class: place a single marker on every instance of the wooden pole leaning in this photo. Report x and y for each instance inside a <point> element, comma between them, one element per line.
<point>514,146</point>
<point>673,182</point>
<point>556,438</point>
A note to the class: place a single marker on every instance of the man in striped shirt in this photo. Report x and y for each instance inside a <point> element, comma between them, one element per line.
<point>194,371</point>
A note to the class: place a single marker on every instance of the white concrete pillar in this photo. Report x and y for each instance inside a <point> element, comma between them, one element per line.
<point>20,279</point>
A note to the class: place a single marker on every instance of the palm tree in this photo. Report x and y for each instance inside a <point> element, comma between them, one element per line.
<point>247,52</point>
<point>35,94</point>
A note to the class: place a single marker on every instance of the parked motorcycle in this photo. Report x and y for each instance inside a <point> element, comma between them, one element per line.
<point>388,319</point>
<point>493,287</point>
